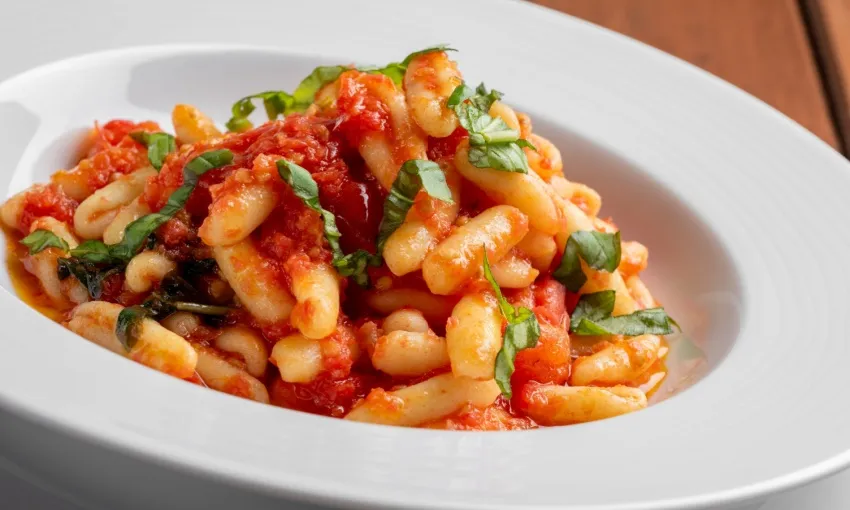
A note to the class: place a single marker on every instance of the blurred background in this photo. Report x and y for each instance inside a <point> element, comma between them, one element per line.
<point>792,54</point>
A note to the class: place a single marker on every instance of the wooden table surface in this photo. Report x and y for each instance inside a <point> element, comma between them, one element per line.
<point>792,54</point>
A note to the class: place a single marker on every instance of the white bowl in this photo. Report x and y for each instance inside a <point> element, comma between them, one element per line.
<point>739,206</point>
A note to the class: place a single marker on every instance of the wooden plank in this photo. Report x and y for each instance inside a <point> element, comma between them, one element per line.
<point>761,46</point>
<point>830,21</point>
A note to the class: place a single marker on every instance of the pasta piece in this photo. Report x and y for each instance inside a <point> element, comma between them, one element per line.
<point>156,347</point>
<point>428,82</point>
<point>409,353</point>
<point>298,359</point>
<point>427,401</point>
<point>540,249</point>
<point>527,192</point>
<point>563,188</point>
<point>44,265</point>
<point>316,291</point>
<point>385,150</point>
<point>458,258</point>
<point>524,125</point>
<point>513,272</point>
<point>99,210</point>
<point>222,376</point>
<point>436,309</point>
<point>634,258</point>
<point>549,404</point>
<point>620,363</point>
<point>405,320</point>
<point>235,214</point>
<point>254,281</point>
<point>474,336</point>
<point>13,209</point>
<point>182,323</point>
<point>546,160</point>
<point>114,232</point>
<point>427,223</point>
<point>502,111</point>
<point>191,125</point>
<point>248,344</point>
<point>640,293</point>
<point>147,269</point>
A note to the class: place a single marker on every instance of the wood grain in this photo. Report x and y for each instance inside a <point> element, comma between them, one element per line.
<point>761,46</point>
<point>830,20</point>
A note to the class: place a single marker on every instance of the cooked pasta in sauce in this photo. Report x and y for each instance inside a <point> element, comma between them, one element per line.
<point>393,246</point>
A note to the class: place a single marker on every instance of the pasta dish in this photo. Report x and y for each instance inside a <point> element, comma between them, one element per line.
<point>393,246</point>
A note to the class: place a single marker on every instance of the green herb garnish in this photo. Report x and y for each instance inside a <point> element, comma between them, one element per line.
<point>159,145</point>
<point>42,239</point>
<point>413,176</point>
<point>592,316</point>
<point>522,332</point>
<point>599,250</point>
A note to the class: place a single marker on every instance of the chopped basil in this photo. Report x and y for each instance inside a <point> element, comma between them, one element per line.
<point>522,332</point>
<point>159,145</point>
<point>414,175</point>
<point>275,102</point>
<point>201,309</point>
<point>138,231</point>
<point>42,239</point>
<point>492,143</point>
<point>592,316</point>
<point>355,265</point>
<point>600,250</point>
<point>128,326</point>
<point>305,188</point>
<point>89,274</point>
<point>313,83</point>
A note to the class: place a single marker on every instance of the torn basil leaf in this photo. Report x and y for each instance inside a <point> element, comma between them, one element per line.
<point>42,239</point>
<point>492,143</point>
<point>413,176</point>
<point>305,188</point>
<point>89,274</point>
<point>522,332</point>
<point>159,145</point>
<point>306,91</point>
<point>599,250</point>
<point>592,316</point>
<point>356,264</point>
<point>137,232</point>
<point>275,102</point>
<point>129,325</point>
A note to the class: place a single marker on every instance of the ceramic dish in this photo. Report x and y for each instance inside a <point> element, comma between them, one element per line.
<point>735,201</point>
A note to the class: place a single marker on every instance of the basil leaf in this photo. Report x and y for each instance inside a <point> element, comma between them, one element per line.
<point>89,274</point>
<point>493,144</point>
<point>275,102</point>
<point>508,157</point>
<point>129,324</point>
<point>522,332</point>
<point>159,145</point>
<point>600,250</point>
<point>137,232</point>
<point>396,70</point>
<point>305,188</point>
<point>595,306</point>
<point>306,91</point>
<point>355,265</point>
<point>94,251</point>
<point>414,175</point>
<point>42,239</point>
<point>652,321</point>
